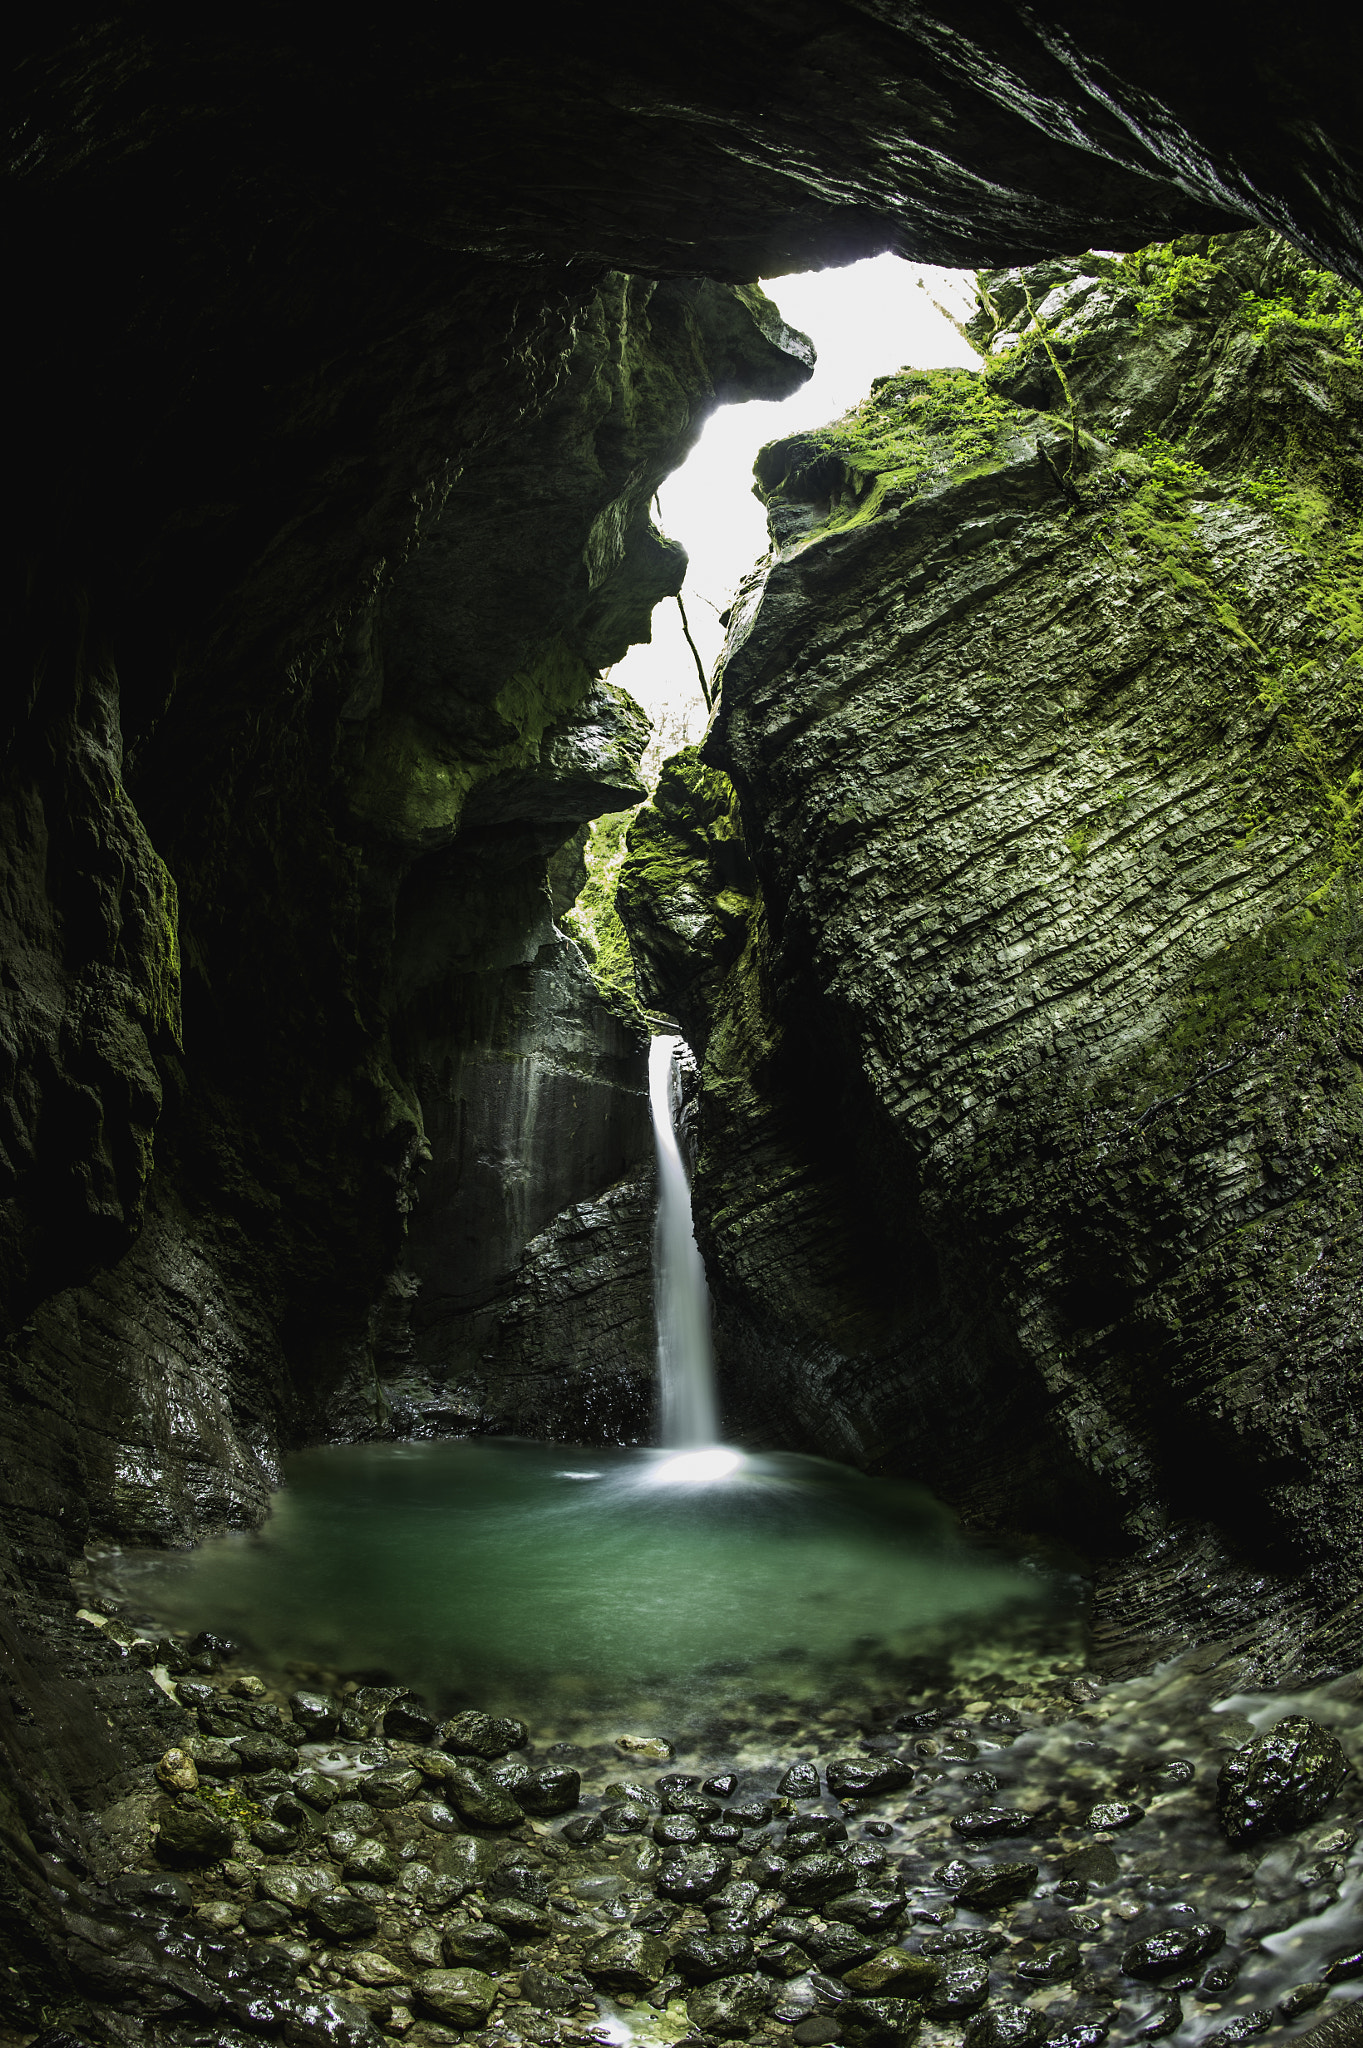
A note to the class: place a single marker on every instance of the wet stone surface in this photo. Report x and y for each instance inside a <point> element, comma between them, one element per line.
<point>963,1858</point>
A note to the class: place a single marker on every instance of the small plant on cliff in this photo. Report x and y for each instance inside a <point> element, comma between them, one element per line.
<point>594,920</point>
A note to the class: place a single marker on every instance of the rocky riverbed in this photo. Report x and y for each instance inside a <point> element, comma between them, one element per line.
<point>1008,1855</point>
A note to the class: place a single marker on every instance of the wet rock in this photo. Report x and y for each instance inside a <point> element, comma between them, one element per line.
<point>626,1817</point>
<point>585,1828</point>
<point>784,1959</point>
<point>462,1998</point>
<point>1302,1998</point>
<point>478,1944</point>
<point>954,1941</point>
<point>815,1878</point>
<point>985,1823</point>
<point>261,1752</point>
<point>340,1916</point>
<point>177,1771</point>
<point>214,1757</point>
<point>263,1916</point>
<point>801,1781</point>
<point>471,1789</point>
<point>190,1832</point>
<point>371,1861</point>
<point>1243,2027</point>
<point>1006,2026</point>
<point>549,1789</point>
<point>839,1947</point>
<point>484,1735</point>
<point>520,1918</point>
<point>868,1910</point>
<point>676,1830</point>
<point>1112,1815</point>
<point>628,1959</point>
<point>879,2022</point>
<point>316,1713</point>
<point>1280,1781</point>
<point>391,1786</point>
<point>1175,1948</point>
<point>701,1957</point>
<point>867,1777</point>
<point>1051,1964</point>
<point>822,1830</point>
<point>893,1970</point>
<point>730,2007</point>
<point>693,1874</point>
<point>997,1884</point>
<point>962,1988</point>
<point>407,1721</point>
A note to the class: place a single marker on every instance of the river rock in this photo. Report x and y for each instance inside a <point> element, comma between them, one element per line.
<point>879,2022</point>
<point>730,2007</point>
<point>1175,1948</point>
<point>693,1874</point>
<point>340,1916</point>
<point>1007,2026</point>
<point>867,1777</point>
<point>484,1735</point>
<point>628,1959</point>
<point>703,1956</point>
<point>986,1823</point>
<point>462,1998</point>
<point>1280,1781</point>
<point>801,1781</point>
<point>996,1884</point>
<point>190,1832</point>
<point>893,1970</point>
<point>962,1987</point>
<point>478,1944</point>
<point>391,1786</point>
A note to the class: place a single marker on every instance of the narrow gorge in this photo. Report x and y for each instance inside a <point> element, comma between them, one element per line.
<point>368,1670</point>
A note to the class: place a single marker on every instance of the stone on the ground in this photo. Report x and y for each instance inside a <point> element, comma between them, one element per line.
<point>996,1884</point>
<point>701,1957</point>
<point>462,1998</point>
<point>1175,1948</point>
<point>1006,2026</point>
<point>627,1959</point>
<point>962,1988</point>
<point>191,1832</point>
<point>1280,1781</point>
<point>484,1735</point>
<point>801,1781</point>
<point>867,1777</point>
<point>340,1916</point>
<point>893,1970</point>
<point>693,1874</point>
<point>730,2007</point>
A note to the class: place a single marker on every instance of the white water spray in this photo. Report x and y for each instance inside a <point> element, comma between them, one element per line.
<point>681,1301</point>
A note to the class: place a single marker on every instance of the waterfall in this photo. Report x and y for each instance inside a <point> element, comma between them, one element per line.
<point>681,1301</point>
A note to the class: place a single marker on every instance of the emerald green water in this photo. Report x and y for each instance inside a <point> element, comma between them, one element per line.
<point>527,1575</point>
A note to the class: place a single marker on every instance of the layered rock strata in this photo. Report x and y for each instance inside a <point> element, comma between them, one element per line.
<point>1012,902</point>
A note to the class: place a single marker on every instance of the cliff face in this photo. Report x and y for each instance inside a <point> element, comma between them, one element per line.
<point>1022,858</point>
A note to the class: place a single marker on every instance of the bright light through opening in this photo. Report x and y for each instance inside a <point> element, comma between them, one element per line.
<point>697,1467</point>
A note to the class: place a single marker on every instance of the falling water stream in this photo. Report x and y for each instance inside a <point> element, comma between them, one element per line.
<point>688,1409</point>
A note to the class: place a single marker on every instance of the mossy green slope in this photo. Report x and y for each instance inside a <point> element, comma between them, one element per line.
<point>1045,722</point>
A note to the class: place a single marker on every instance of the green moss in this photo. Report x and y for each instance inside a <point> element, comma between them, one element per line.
<point>915,428</point>
<point>594,920</point>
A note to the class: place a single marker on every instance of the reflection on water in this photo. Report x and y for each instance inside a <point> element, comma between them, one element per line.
<point>514,1572</point>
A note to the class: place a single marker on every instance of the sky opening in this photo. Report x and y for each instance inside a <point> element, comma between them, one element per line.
<point>865,320</point>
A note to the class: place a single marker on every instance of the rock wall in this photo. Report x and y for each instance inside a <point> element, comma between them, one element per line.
<point>1013,903</point>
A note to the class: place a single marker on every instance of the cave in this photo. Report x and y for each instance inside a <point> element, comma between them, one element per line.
<point>1016,937</point>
